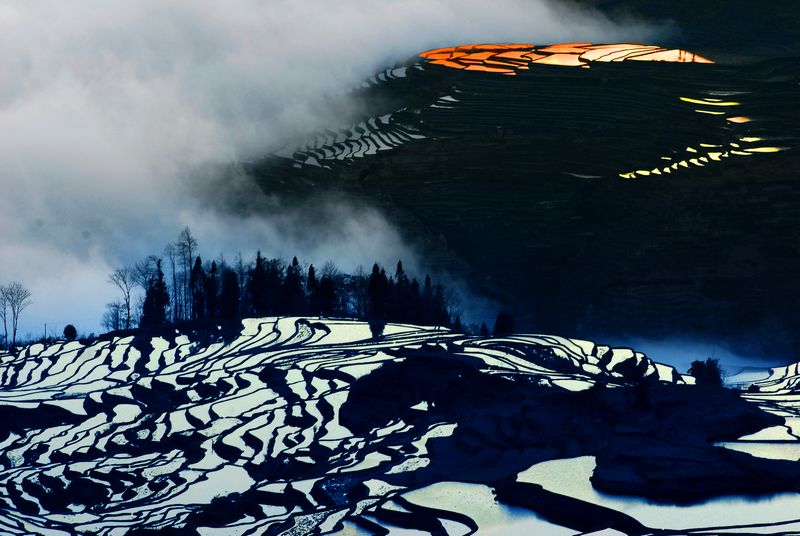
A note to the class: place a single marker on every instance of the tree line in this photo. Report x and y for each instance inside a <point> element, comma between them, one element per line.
<point>180,286</point>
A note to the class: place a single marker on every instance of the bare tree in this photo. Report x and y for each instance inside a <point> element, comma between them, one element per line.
<point>113,317</point>
<point>186,246</point>
<point>144,271</point>
<point>4,313</point>
<point>171,254</point>
<point>125,280</point>
<point>16,298</point>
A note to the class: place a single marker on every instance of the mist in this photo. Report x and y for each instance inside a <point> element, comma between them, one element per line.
<point>681,352</point>
<point>109,109</point>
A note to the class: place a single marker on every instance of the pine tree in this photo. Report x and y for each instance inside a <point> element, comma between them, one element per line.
<point>312,291</point>
<point>156,300</point>
<point>377,291</point>
<point>257,286</point>
<point>426,314</point>
<point>326,295</point>
<point>229,297</point>
<point>292,295</point>
<point>402,309</point>
<point>211,286</point>
<point>197,287</point>
<point>440,314</point>
<point>415,300</point>
<point>274,283</point>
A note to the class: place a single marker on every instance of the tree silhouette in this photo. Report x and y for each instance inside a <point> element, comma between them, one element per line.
<point>113,318</point>
<point>70,333</point>
<point>326,296</point>
<point>185,247</point>
<point>125,280</point>
<point>211,286</point>
<point>4,313</point>
<point>257,286</point>
<point>14,299</point>
<point>440,315</point>
<point>197,286</point>
<point>402,301</point>
<point>377,295</point>
<point>292,295</point>
<point>504,324</point>
<point>144,270</point>
<point>707,373</point>
<point>312,291</point>
<point>156,300</point>
<point>268,287</point>
<point>171,252</point>
<point>229,296</point>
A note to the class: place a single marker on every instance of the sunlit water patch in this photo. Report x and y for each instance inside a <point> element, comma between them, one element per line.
<point>571,477</point>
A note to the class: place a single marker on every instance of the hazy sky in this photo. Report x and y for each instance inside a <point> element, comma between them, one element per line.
<point>109,109</point>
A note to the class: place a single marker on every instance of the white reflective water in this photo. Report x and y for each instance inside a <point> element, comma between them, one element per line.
<point>571,477</point>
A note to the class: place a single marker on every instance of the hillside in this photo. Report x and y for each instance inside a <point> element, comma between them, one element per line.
<point>598,199</point>
<point>301,426</point>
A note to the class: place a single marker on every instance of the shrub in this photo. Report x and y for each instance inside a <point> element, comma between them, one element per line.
<point>70,333</point>
<point>707,373</point>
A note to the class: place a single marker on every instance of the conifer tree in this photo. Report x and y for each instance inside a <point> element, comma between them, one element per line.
<point>326,295</point>
<point>257,286</point>
<point>440,315</point>
<point>426,314</point>
<point>274,283</point>
<point>402,301</point>
<point>156,300</point>
<point>229,296</point>
<point>197,288</point>
<point>211,286</point>
<point>415,300</point>
<point>312,291</point>
<point>292,295</point>
<point>377,290</point>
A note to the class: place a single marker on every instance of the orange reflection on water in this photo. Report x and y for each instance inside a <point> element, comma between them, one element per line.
<point>508,58</point>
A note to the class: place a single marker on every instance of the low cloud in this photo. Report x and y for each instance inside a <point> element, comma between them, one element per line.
<point>107,107</point>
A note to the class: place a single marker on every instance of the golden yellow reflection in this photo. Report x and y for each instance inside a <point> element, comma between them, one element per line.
<point>509,58</point>
<point>739,119</point>
<point>710,102</point>
<point>709,153</point>
<point>764,149</point>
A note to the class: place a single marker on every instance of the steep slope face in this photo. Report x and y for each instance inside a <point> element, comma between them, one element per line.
<point>653,198</point>
<point>311,426</point>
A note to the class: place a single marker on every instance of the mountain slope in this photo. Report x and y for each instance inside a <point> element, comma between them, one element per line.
<point>303,426</point>
<point>655,199</point>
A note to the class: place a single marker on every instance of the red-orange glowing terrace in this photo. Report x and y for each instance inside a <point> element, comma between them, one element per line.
<point>509,58</point>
